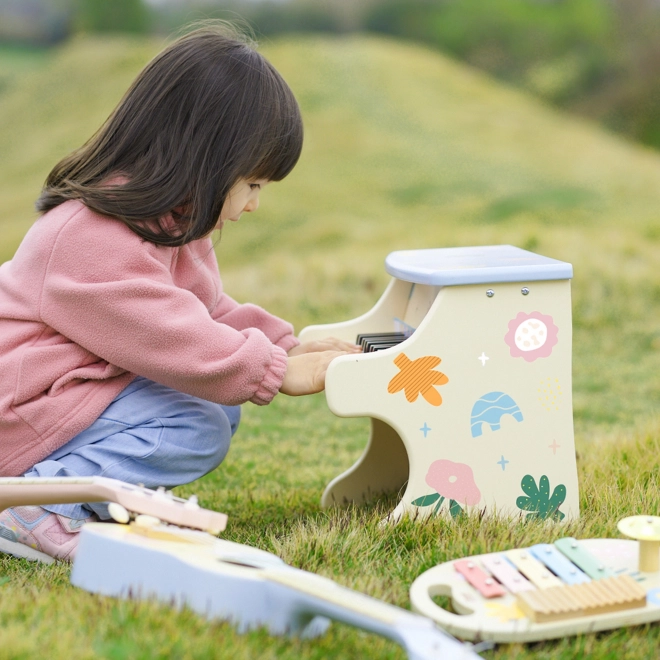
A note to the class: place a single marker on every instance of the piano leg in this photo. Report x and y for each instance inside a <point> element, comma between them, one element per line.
<point>383,468</point>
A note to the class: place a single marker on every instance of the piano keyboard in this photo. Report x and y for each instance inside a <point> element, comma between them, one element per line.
<point>378,341</point>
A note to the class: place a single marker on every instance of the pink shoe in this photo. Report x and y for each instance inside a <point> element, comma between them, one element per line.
<point>33,533</point>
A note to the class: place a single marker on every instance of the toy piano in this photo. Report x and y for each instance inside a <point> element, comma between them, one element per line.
<point>467,381</point>
<point>183,566</point>
<point>549,590</point>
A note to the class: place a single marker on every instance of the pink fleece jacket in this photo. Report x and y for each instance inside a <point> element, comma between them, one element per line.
<point>86,304</point>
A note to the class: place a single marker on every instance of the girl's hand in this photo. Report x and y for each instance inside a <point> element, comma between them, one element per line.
<point>326,344</point>
<point>305,374</point>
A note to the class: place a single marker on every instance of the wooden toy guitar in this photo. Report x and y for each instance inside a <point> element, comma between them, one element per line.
<point>548,590</point>
<point>16,491</point>
<point>249,587</point>
<point>216,578</point>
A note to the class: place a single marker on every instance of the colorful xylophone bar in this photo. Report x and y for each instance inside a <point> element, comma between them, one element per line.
<point>553,582</point>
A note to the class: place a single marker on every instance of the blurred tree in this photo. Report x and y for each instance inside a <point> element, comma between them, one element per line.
<point>599,58</point>
<point>112,16</point>
<point>509,38</point>
<point>35,22</point>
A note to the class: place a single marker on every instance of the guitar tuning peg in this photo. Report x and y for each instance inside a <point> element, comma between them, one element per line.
<point>144,520</point>
<point>191,503</point>
<point>118,513</point>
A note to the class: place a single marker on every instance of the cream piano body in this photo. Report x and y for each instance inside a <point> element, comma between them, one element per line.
<point>473,409</point>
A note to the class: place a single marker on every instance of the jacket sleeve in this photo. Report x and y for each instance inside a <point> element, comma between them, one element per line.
<point>116,298</point>
<point>247,315</point>
<point>242,316</point>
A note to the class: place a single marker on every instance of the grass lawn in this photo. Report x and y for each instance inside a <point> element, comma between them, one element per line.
<point>404,149</point>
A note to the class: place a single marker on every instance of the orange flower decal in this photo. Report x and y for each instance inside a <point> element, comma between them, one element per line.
<point>417,377</point>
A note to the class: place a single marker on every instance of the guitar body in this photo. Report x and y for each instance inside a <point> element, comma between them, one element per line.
<point>114,560</point>
<point>248,587</point>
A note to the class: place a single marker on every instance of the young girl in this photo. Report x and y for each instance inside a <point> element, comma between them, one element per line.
<point>120,354</point>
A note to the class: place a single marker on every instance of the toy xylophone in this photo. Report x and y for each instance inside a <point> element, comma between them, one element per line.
<point>548,590</point>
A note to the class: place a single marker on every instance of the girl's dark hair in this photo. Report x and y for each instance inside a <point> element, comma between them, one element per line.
<point>206,112</point>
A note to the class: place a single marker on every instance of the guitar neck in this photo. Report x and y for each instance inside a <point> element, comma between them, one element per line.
<point>17,491</point>
<point>417,635</point>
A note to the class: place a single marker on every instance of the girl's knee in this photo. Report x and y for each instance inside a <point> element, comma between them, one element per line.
<point>234,416</point>
<point>192,443</point>
<point>210,429</point>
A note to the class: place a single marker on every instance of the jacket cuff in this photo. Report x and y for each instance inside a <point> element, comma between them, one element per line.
<point>288,342</point>
<point>272,381</point>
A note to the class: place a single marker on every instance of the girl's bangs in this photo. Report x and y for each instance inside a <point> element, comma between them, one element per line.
<point>281,135</point>
<point>280,157</point>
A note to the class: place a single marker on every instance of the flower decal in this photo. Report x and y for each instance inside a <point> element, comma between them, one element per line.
<point>418,377</point>
<point>531,336</point>
<point>451,481</point>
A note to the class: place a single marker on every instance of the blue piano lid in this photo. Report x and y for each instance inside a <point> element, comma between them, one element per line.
<point>474,265</point>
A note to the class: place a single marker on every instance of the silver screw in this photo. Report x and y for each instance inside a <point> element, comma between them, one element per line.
<point>490,293</point>
<point>524,291</point>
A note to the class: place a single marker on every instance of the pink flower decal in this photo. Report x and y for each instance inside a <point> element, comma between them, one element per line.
<point>453,481</point>
<point>531,336</point>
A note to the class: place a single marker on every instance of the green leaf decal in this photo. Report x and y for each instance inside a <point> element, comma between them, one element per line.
<point>438,505</point>
<point>426,500</point>
<point>528,484</point>
<point>538,499</point>
<point>455,509</point>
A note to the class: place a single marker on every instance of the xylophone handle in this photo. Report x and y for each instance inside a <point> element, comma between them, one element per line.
<point>422,591</point>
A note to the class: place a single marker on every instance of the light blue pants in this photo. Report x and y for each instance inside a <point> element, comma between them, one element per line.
<point>150,434</point>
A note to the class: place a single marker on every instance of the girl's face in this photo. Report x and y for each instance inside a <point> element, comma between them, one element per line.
<point>242,198</point>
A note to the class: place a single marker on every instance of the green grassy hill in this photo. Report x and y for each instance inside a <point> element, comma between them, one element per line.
<point>404,149</point>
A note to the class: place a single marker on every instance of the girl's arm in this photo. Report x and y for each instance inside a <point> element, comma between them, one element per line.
<point>113,295</point>
<point>247,315</point>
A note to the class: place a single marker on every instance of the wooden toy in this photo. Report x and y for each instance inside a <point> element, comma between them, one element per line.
<point>473,408</point>
<point>19,491</point>
<point>646,529</point>
<point>546,591</point>
<point>249,587</point>
<point>215,578</point>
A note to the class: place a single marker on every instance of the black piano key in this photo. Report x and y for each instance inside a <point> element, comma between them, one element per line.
<point>372,348</point>
<point>379,335</point>
<point>384,336</point>
<point>377,341</point>
<point>374,342</point>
